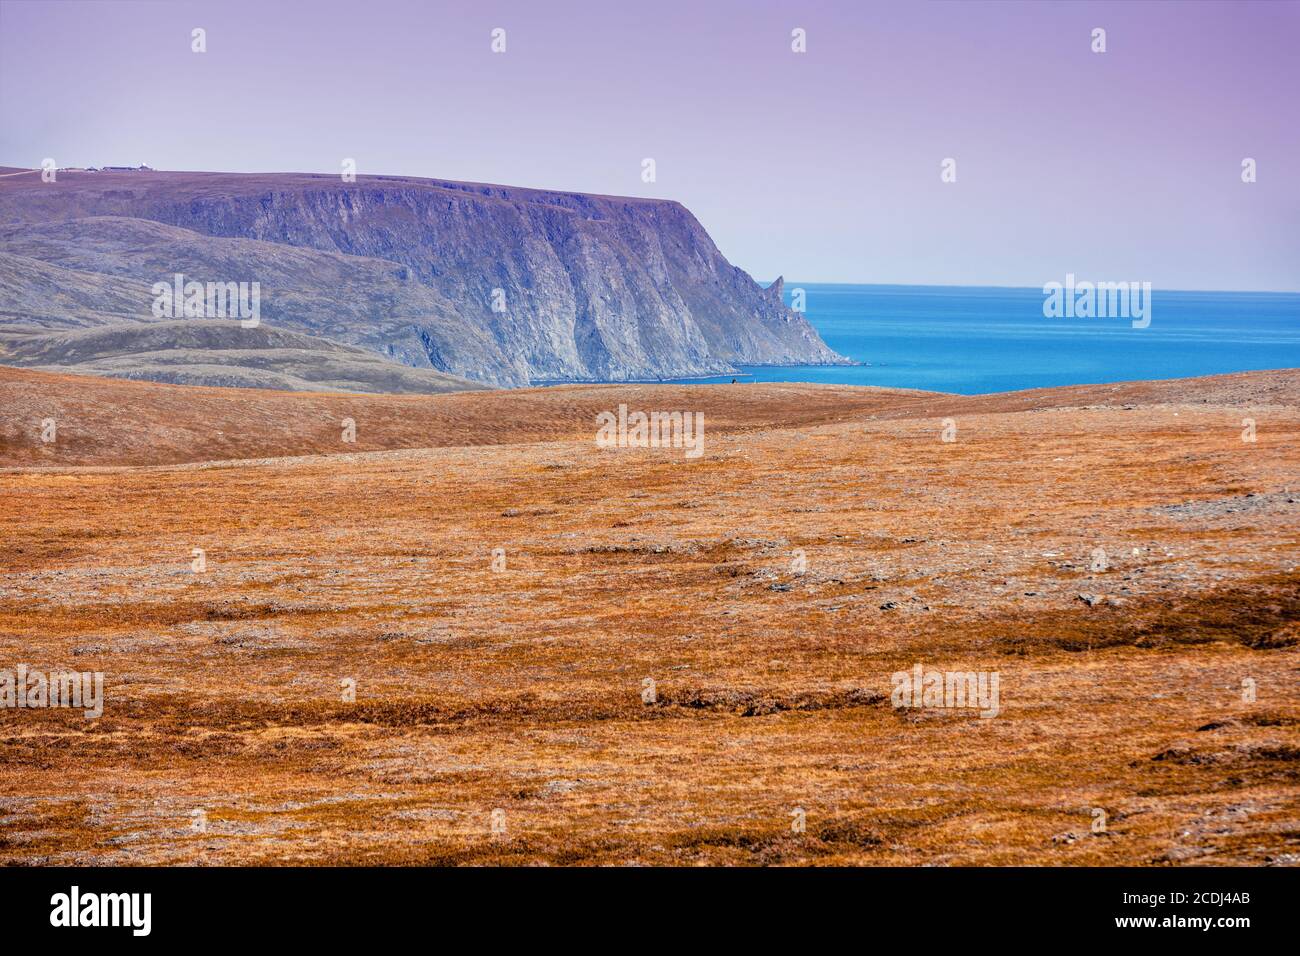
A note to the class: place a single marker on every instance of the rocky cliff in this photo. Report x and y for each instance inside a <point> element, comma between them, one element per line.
<point>502,285</point>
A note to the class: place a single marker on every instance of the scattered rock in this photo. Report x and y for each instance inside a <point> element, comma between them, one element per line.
<point>1250,503</point>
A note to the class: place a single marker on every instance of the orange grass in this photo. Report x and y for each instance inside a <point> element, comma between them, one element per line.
<point>521,689</point>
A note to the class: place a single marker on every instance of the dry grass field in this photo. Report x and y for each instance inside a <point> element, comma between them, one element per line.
<point>825,539</point>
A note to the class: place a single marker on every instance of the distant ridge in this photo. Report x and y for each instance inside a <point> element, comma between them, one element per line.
<point>112,423</point>
<point>501,285</point>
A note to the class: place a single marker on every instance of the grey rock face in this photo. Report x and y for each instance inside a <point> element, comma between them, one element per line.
<point>506,286</point>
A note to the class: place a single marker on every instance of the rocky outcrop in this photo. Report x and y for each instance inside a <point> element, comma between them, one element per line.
<point>507,286</point>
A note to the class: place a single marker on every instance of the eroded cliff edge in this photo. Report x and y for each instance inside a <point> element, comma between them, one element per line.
<point>502,285</point>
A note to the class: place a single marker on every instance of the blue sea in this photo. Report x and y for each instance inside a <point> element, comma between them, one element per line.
<point>974,340</point>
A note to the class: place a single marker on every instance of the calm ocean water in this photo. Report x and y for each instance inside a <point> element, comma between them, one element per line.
<point>974,340</point>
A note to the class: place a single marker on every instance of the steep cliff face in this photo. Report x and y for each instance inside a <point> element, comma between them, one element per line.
<point>508,286</point>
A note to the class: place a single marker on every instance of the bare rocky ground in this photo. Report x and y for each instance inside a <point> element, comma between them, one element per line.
<point>1118,555</point>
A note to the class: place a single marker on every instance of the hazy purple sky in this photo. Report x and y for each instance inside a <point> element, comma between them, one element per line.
<point>821,166</point>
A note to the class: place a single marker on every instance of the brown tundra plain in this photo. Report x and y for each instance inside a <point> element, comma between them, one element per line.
<point>472,636</point>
